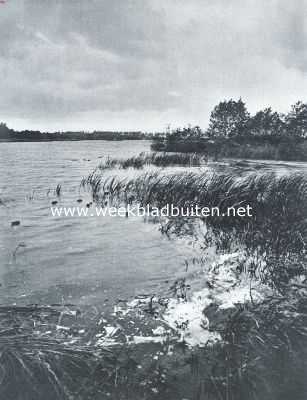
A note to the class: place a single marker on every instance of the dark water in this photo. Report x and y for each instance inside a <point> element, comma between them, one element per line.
<point>76,260</point>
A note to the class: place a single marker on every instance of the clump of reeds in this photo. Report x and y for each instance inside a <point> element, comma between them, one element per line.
<point>277,228</point>
<point>156,158</point>
<point>108,163</point>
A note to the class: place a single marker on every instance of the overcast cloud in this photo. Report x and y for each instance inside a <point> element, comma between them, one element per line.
<point>143,64</point>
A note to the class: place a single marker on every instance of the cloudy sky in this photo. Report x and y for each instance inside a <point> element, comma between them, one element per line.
<point>144,64</point>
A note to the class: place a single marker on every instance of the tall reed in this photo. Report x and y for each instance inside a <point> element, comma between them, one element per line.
<point>155,158</point>
<point>277,227</point>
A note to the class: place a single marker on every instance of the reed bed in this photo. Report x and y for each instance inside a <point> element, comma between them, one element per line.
<point>156,158</point>
<point>277,228</point>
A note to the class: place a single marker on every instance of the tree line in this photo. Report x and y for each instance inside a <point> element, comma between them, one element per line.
<point>231,119</point>
<point>10,135</point>
<point>234,132</point>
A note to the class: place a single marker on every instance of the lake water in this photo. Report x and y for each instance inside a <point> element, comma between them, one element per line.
<point>82,261</point>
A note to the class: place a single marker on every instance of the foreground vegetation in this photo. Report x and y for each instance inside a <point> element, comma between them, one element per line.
<point>262,355</point>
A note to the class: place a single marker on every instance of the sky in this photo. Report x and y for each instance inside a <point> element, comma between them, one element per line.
<point>147,64</point>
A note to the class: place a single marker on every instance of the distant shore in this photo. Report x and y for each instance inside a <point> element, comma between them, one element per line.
<point>8,135</point>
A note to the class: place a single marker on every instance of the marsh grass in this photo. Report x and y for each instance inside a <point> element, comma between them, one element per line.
<point>155,158</point>
<point>263,354</point>
<point>279,204</point>
<point>273,238</point>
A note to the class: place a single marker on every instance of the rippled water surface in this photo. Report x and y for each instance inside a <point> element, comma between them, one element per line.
<point>85,261</point>
<point>77,260</point>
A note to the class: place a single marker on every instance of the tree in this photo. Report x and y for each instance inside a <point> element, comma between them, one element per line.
<point>296,120</point>
<point>228,119</point>
<point>4,131</point>
<point>265,123</point>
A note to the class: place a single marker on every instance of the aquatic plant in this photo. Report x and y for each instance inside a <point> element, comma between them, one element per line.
<point>276,229</point>
<point>57,190</point>
<point>155,158</point>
